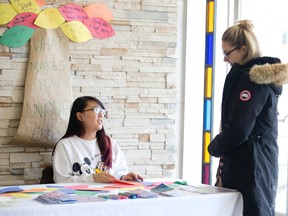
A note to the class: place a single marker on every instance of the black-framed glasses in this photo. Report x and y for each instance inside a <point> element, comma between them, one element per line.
<point>229,52</point>
<point>97,110</point>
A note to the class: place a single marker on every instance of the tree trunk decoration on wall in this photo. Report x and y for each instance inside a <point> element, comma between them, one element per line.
<point>48,86</point>
<point>48,90</point>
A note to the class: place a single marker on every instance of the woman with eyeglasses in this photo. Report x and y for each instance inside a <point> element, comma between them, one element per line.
<point>247,141</point>
<point>85,153</point>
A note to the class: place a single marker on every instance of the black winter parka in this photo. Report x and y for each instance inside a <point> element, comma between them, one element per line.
<point>247,142</point>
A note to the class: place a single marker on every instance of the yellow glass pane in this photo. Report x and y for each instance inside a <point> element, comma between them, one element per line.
<point>207,139</point>
<point>208,82</point>
<point>210,16</point>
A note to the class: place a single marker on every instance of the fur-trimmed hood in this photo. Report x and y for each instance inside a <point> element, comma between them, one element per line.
<point>276,74</point>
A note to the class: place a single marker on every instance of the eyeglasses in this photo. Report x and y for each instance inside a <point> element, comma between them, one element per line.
<point>229,52</point>
<point>97,110</point>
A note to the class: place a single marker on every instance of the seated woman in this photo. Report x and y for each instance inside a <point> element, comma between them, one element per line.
<point>85,153</point>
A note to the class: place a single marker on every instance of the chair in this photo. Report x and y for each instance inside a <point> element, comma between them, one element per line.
<point>47,175</point>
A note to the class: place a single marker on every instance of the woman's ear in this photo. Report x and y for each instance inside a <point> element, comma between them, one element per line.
<point>243,48</point>
<point>79,116</point>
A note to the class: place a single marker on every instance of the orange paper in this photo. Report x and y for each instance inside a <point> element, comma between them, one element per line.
<point>99,10</point>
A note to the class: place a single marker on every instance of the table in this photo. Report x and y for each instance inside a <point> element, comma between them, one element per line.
<point>194,204</point>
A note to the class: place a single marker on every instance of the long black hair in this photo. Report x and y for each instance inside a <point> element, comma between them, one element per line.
<point>75,127</point>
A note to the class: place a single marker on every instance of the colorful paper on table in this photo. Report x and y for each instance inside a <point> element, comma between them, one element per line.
<point>75,187</point>
<point>149,185</point>
<point>21,195</point>
<point>34,190</point>
<point>99,190</point>
<point>72,12</point>
<point>161,188</point>
<point>99,28</point>
<point>89,199</point>
<point>86,193</point>
<point>50,18</point>
<point>56,197</point>
<point>181,182</point>
<point>144,193</point>
<point>67,190</point>
<point>54,186</point>
<point>25,19</point>
<point>7,13</point>
<point>117,181</point>
<point>26,6</point>
<point>98,10</point>
<point>173,193</point>
<point>16,36</point>
<point>122,186</point>
<point>76,31</point>
<point>10,190</point>
<point>130,188</point>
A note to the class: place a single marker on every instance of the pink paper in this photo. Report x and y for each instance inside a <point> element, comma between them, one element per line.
<point>25,19</point>
<point>72,12</point>
<point>99,28</point>
<point>75,187</point>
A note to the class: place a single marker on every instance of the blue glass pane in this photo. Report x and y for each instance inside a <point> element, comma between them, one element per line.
<point>207,115</point>
<point>209,49</point>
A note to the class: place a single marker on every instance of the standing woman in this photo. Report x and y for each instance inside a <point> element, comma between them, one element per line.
<point>247,142</point>
<point>85,153</point>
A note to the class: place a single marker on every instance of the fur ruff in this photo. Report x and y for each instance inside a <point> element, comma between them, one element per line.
<point>270,74</point>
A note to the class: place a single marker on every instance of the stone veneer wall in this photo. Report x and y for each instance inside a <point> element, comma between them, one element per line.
<point>133,73</point>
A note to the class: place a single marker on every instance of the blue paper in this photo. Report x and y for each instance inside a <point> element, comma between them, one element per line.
<point>10,190</point>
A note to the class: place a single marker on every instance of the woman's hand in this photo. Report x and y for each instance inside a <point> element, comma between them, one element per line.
<point>103,177</point>
<point>131,177</point>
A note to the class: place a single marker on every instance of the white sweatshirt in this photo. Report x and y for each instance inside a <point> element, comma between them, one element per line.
<point>75,160</point>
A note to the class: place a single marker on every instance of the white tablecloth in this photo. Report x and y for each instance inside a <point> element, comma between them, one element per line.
<point>222,204</point>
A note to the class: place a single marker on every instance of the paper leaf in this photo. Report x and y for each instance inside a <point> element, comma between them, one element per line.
<point>50,18</point>
<point>98,10</point>
<point>99,28</point>
<point>26,19</point>
<point>72,12</point>
<point>40,2</point>
<point>76,31</point>
<point>16,36</point>
<point>26,6</point>
<point>7,13</point>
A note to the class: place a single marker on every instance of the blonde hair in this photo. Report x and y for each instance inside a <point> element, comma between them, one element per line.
<point>240,35</point>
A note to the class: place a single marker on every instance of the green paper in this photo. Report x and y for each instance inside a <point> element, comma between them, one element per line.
<point>87,193</point>
<point>16,36</point>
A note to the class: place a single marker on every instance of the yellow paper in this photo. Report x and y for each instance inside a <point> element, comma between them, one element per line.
<point>34,190</point>
<point>7,13</point>
<point>49,18</point>
<point>131,188</point>
<point>20,195</point>
<point>76,31</point>
<point>26,6</point>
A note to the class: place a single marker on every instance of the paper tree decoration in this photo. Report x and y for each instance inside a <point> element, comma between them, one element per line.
<point>77,23</point>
